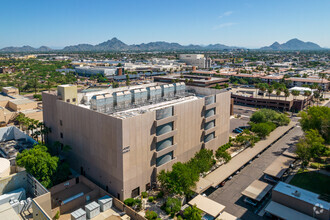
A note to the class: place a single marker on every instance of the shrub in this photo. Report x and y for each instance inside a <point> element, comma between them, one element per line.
<point>172,206</point>
<point>160,195</point>
<point>38,97</point>
<point>129,202</point>
<point>224,155</point>
<point>144,194</point>
<point>57,215</point>
<point>150,215</point>
<point>263,129</point>
<point>269,115</point>
<point>150,199</point>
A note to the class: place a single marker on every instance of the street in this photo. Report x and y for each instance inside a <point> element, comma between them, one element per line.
<point>230,194</point>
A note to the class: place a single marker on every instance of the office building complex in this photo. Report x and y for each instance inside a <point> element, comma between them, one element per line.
<point>122,138</point>
<point>198,60</point>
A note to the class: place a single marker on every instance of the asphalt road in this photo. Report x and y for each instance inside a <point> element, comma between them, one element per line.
<point>230,194</point>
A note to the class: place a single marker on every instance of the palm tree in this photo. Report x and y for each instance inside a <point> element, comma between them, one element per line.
<point>306,94</point>
<point>256,86</point>
<point>295,93</point>
<point>262,88</point>
<point>286,93</point>
<point>322,76</point>
<point>278,92</point>
<point>317,96</point>
<point>270,90</point>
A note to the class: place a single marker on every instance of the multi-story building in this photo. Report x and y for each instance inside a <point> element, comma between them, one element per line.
<point>122,138</point>
<point>297,81</point>
<point>196,60</point>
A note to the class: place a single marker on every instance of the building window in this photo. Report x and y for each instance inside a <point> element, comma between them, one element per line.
<point>74,99</point>
<point>61,122</point>
<point>68,100</point>
<point>61,134</point>
<point>209,137</point>
<point>135,192</point>
<point>164,159</point>
<point>148,186</point>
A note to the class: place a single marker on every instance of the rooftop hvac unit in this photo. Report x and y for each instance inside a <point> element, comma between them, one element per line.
<point>158,93</point>
<point>180,88</point>
<point>144,95</point>
<point>108,102</point>
<point>98,103</point>
<point>105,203</point>
<point>92,210</point>
<point>127,99</point>
<point>79,214</point>
<point>119,99</point>
<point>151,93</point>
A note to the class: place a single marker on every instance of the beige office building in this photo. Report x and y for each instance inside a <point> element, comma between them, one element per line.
<point>121,138</point>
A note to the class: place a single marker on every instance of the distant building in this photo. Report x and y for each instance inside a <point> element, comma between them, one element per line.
<point>122,138</point>
<point>297,81</point>
<point>11,103</point>
<point>196,60</point>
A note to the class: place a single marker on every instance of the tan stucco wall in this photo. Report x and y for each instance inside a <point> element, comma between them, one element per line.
<point>41,207</point>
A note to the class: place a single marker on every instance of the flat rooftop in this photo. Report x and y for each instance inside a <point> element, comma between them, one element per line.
<point>145,104</point>
<point>301,194</point>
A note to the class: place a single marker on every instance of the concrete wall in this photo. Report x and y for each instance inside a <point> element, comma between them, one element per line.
<point>120,154</point>
<point>41,207</point>
<point>12,182</point>
<point>95,139</point>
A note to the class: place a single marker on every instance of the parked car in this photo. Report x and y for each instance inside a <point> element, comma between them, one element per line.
<point>237,131</point>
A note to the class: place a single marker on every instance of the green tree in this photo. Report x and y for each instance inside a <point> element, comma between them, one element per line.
<point>295,93</point>
<point>128,82</point>
<point>270,90</point>
<point>151,215</point>
<point>38,162</point>
<point>286,93</point>
<point>180,180</point>
<point>193,213</point>
<point>172,206</point>
<point>317,117</point>
<point>263,129</point>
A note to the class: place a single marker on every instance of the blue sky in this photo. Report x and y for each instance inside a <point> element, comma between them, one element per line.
<point>248,23</point>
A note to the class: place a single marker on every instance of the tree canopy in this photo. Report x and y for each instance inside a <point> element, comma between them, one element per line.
<point>317,117</point>
<point>38,162</point>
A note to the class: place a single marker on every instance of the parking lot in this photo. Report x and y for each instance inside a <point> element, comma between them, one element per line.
<point>245,113</point>
<point>230,194</point>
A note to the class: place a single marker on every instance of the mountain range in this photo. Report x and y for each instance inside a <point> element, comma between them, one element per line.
<point>116,45</point>
<point>293,44</point>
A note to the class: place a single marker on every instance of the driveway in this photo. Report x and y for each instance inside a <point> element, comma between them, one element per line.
<point>230,194</point>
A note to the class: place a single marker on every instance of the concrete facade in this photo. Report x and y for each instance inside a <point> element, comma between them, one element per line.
<point>123,154</point>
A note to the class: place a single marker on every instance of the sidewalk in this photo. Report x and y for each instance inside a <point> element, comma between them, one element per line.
<point>224,171</point>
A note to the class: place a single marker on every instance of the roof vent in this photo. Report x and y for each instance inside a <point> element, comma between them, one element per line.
<point>296,193</point>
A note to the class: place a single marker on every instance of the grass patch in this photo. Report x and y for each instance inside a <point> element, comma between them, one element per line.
<point>313,181</point>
